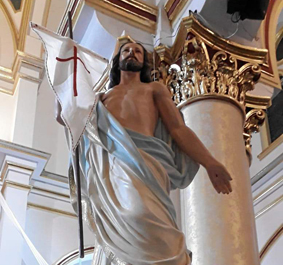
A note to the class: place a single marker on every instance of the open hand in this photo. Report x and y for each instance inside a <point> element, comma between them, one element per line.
<point>219,177</point>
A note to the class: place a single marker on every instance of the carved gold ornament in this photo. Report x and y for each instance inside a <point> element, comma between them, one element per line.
<point>202,65</point>
<point>198,75</point>
<point>254,119</point>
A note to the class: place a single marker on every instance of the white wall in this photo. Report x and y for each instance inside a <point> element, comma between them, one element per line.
<point>7,116</point>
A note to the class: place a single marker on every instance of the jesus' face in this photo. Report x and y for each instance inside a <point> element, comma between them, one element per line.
<point>131,57</point>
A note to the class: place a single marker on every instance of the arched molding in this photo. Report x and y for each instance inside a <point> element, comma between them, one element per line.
<point>270,75</point>
<point>28,5</point>
<point>14,32</point>
<point>271,242</point>
<point>12,6</point>
<point>279,37</point>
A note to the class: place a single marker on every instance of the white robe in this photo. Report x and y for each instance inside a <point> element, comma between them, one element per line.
<point>126,179</point>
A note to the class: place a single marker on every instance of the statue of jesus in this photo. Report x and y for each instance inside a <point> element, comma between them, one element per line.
<point>135,149</point>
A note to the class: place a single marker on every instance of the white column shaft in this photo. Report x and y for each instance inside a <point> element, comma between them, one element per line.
<point>219,229</point>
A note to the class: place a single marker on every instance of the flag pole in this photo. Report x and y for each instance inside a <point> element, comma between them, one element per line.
<point>77,172</point>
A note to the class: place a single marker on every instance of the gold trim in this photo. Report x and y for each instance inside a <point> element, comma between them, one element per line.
<point>279,36</point>
<point>44,21</point>
<point>268,207</point>
<point>14,32</point>
<point>5,91</point>
<point>142,6</point>
<point>16,147</point>
<point>265,134</point>
<point>4,171</point>
<point>267,190</point>
<point>13,75</point>
<point>271,147</point>
<point>241,52</point>
<point>5,69</point>
<point>12,6</point>
<point>6,77</point>
<point>16,185</point>
<point>270,242</point>
<point>50,192</point>
<point>168,5</point>
<point>27,77</point>
<point>123,14</point>
<point>65,182</point>
<point>13,164</point>
<point>217,97</point>
<point>178,9</point>
<point>46,12</point>
<point>37,62</point>
<point>269,79</point>
<point>52,210</point>
<point>164,53</point>
<point>16,80</point>
<point>254,101</point>
<point>24,24</point>
<point>273,78</point>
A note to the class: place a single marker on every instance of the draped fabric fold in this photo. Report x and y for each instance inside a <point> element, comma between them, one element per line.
<point>126,180</point>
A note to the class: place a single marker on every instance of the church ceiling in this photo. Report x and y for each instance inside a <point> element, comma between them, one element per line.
<point>144,15</point>
<point>14,25</point>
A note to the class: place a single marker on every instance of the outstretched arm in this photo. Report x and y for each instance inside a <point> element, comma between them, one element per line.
<point>187,140</point>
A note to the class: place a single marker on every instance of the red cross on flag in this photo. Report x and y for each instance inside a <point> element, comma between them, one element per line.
<point>72,72</point>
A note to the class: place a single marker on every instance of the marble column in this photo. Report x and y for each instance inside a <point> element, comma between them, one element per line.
<point>219,229</point>
<point>208,78</point>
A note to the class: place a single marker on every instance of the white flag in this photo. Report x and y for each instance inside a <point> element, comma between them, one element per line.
<point>72,72</point>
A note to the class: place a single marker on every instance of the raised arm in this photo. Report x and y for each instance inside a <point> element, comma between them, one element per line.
<point>188,141</point>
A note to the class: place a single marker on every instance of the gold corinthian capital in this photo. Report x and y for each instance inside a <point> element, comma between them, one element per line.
<point>202,65</point>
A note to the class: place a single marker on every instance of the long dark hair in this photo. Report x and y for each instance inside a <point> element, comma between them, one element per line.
<point>115,72</point>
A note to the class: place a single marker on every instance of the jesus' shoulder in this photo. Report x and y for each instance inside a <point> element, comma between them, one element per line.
<point>166,108</point>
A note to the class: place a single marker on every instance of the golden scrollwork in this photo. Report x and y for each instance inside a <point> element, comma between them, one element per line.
<point>247,139</point>
<point>198,74</point>
<point>254,119</point>
<point>203,70</point>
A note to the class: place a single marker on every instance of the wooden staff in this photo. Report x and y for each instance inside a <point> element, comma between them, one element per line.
<point>77,173</point>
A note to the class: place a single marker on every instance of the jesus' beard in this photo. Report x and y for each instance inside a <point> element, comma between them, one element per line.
<point>130,65</point>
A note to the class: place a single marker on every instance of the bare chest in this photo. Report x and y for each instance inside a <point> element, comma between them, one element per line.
<point>133,108</point>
